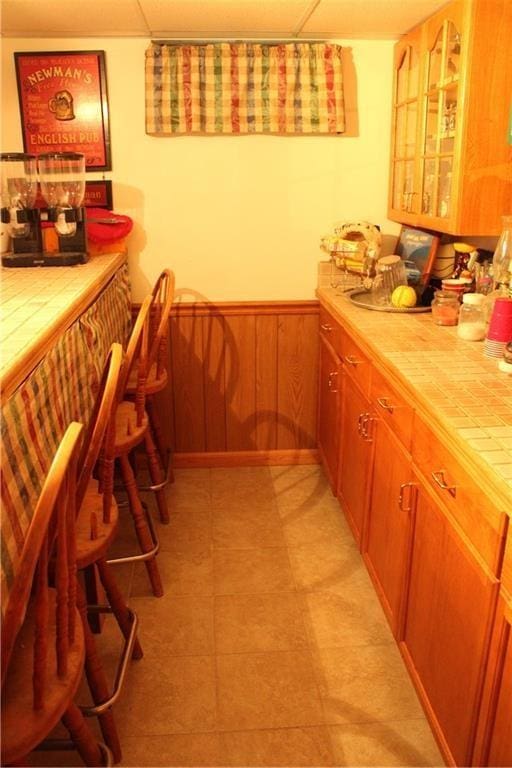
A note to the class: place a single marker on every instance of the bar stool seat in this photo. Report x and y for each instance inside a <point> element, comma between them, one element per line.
<point>44,644</point>
<point>89,549</point>
<point>128,433</point>
<point>17,691</point>
<point>155,382</point>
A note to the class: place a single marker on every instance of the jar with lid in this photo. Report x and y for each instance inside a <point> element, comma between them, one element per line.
<point>472,321</point>
<point>445,308</point>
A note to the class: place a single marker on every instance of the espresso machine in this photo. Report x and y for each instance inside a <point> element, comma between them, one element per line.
<point>62,181</point>
<point>20,217</point>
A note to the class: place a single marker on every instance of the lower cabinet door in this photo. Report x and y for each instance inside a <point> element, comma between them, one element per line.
<point>329,393</point>
<point>447,624</point>
<point>356,456</point>
<point>495,728</point>
<point>389,528</point>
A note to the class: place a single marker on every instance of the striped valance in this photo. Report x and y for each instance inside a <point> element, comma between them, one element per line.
<point>237,88</point>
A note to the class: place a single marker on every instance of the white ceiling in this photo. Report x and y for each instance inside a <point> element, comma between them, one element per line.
<point>256,19</point>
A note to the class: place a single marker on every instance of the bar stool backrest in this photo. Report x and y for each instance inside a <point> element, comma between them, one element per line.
<point>99,437</point>
<point>162,299</point>
<point>137,354</point>
<point>50,539</point>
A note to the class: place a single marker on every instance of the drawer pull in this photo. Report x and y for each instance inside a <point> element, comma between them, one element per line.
<point>365,423</point>
<point>411,487</point>
<point>439,479</point>
<point>326,327</point>
<point>351,360</point>
<point>383,402</point>
<point>329,382</point>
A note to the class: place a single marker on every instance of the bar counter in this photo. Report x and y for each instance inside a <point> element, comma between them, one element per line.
<point>58,324</point>
<point>450,381</point>
<point>37,304</point>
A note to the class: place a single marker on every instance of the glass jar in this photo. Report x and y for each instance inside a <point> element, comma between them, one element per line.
<point>502,259</point>
<point>445,308</point>
<point>472,320</point>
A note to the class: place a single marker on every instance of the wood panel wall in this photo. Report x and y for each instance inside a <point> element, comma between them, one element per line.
<point>244,383</point>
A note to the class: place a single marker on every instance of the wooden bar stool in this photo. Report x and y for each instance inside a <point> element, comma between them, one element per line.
<point>43,648</point>
<point>131,429</point>
<point>162,297</point>
<point>96,527</point>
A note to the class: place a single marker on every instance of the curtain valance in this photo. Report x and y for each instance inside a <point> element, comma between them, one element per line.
<point>239,88</point>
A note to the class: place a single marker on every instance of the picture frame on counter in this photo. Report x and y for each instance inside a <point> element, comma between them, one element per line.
<point>98,194</point>
<point>418,249</point>
<point>64,104</point>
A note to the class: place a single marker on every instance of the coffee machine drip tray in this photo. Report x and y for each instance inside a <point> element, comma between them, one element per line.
<point>61,259</point>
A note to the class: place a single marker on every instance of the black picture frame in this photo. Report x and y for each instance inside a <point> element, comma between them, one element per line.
<point>98,194</point>
<point>63,103</point>
<point>417,248</point>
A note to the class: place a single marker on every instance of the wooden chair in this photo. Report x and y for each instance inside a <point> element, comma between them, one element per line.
<point>132,429</point>
<point>96,527</point>
<point>156,381</point>
<point>43,648</point>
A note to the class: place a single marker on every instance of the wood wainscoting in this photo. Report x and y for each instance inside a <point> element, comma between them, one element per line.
<point>244,384</point>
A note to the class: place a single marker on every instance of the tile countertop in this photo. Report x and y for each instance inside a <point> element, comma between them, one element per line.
<point>467,397</point>
<point>38,303</point>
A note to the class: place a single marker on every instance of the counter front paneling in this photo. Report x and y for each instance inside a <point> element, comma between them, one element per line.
<point>57,327</point>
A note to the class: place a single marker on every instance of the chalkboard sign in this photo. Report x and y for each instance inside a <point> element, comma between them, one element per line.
<point>418,250</point>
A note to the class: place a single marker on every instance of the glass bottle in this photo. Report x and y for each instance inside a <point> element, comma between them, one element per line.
<point>502,259</point>
<point>472,321</point>
<point>445,308</point>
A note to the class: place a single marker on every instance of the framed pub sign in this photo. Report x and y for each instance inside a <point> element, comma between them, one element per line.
<point>64,104</point>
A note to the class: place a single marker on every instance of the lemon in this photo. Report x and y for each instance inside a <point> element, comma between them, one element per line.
<point>404,296</point>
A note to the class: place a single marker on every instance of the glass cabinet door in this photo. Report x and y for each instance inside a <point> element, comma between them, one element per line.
<point>440,105</point>
<point>404,193</point>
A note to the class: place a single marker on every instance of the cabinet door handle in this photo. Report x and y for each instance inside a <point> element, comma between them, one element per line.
<point>326,327</point>
<point>439,479</point>
<point>329,382</point>
<point>383,402</point>
<point>360,424</point>
<point>351,360</point>
<point>365,422</point>
<point>411,487</point>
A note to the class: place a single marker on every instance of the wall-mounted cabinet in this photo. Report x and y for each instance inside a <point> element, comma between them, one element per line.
<point>450,154</point>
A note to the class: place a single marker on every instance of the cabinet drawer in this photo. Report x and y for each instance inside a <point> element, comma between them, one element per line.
<point>331,331</point>
<point>357,364</point>
<point>481,521</point>
<point>392,408</point>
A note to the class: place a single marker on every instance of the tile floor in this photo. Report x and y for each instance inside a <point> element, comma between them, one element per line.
<point>269,647</point>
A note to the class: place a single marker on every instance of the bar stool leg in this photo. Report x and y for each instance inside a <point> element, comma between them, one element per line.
<point>141,526</point>
<point>165,457</point>
<point>96,679</point>
<point>82,736</point>
<point>156,475</point>
<point>117,604</point>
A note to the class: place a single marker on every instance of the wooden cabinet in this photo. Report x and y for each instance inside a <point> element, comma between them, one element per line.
<point>450,159</point>
<point>494,741</point>
<point>433,540</point>
<point>329,399</point>
<point>449,609</point>
<point>356,456</point>
<point>494,745</point>
<point>389,528</point>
